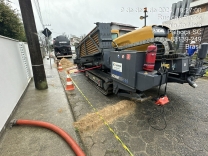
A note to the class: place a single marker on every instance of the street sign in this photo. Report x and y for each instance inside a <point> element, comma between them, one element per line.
<point>47,32</point>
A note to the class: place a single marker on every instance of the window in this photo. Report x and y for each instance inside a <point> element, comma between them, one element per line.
<point>114,35</point>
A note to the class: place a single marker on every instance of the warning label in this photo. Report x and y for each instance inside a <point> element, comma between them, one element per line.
<point>117,66</point>
<point>128,56</point>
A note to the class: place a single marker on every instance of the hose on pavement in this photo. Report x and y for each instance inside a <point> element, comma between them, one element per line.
<point>75,147</point>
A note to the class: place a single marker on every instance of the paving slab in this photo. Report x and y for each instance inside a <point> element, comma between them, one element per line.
<point>186,116</point>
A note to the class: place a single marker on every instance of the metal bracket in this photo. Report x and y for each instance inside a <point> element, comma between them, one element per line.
<point>166,65</point>
<point>12,123</point>
<point>85,48</point>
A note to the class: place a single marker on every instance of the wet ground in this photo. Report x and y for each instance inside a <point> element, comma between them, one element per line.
<point>49,105</point>
<point>183,124</point>
<point>186,116</point>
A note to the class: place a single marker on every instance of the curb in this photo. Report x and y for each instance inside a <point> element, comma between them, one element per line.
<point>74,119</point>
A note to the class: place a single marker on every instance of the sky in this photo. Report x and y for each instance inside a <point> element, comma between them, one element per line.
<point>77,17</point>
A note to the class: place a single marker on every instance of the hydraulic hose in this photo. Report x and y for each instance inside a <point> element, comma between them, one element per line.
<point>191,82</point>
<point>88,69</point>
<point>74,146</point>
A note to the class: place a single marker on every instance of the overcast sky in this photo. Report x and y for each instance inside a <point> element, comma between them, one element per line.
<point>77,17</point>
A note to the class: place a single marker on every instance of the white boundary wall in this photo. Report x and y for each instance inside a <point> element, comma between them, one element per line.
<point>15,74</point>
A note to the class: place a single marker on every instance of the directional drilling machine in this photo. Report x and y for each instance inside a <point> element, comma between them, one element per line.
<point>136,61</point>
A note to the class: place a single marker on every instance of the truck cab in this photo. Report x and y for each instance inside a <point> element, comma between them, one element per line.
<point>62,47</point>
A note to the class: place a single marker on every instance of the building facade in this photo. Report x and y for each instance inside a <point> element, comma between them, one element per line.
<point>122,28</point>
<point>189,22</point>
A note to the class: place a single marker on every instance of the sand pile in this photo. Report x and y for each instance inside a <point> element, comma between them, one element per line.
<point>110,113</point>
<point>66,63</point>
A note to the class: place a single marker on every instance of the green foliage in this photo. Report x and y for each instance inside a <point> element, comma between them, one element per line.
<point>10,23</point>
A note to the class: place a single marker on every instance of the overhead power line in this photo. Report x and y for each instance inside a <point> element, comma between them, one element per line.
<point>37,6</point>
<point>39,10</point>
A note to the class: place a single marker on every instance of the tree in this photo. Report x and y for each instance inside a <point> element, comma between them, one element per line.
<point>10,23</point>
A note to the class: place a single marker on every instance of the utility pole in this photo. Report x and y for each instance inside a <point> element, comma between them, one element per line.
<point>48,47</point>
<point>33,43</point>
<point>145,16</point>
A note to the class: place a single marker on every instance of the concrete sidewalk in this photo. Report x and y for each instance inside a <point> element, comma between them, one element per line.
<point>49,105</point>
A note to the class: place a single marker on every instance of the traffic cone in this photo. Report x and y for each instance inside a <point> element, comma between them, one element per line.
<point>69,84</point>
<point>60,69</point>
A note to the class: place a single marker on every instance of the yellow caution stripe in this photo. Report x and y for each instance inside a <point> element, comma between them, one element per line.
<point>104,121</point>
